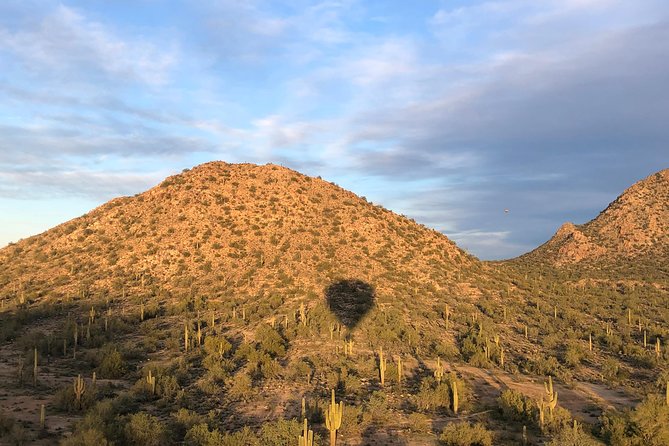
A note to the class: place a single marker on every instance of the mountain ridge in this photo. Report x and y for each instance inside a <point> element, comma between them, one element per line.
<point>634,227</point>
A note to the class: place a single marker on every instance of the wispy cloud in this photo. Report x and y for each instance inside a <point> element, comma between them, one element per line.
<point>447,114</point>
<point>66,44</point>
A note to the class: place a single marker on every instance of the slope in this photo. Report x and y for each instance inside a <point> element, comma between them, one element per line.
<point>222,229</point>
<point>631,236</point>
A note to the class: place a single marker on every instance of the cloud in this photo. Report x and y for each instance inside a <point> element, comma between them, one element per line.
<point>100,186</point>
<point>547,108</point>
<point>65,42</point>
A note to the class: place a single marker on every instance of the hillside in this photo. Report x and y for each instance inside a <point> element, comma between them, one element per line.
<point>224,229</point>
<point>225,305</point>
<point>630,236</point>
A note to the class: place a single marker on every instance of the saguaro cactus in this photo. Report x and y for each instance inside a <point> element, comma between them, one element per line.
<point>35,368</point>
<point>303,314</point>
<point>548,387</point>
<point>186,337</point>
<point>456,399</point>
<point>382,367</point>
<point>542,412</point>
<point>439,371</point>
<point>42,417</point>
<point>400,370</point>
<point>333,416</point>
<point>151,382</point>
<point>658,347</point>
<point>590,341</point>
<point>552,403</point>
<point>307,437</point>
<point>79,390</point>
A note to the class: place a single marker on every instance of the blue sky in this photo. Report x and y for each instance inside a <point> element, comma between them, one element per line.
<point>445,111</point>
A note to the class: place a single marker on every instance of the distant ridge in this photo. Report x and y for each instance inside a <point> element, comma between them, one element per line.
<point>632,230</point>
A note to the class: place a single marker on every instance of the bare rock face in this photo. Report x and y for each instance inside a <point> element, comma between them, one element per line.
<point>634,227</point>
<point>573,246</point>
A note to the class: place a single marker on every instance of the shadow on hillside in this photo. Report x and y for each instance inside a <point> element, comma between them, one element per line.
<point>350,300</point>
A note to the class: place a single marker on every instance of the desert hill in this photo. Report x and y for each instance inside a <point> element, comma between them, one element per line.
<point>225,305</point>
<point>222,229</point>
<point>631,233</point>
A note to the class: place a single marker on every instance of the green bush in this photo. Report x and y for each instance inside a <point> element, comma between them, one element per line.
<point>112,365</point>
<point>515,406</point>
<point>466,434</point>
<point>143,429</point>
<point>572,436</point>
<point>200,435</point>
<point>647,424</point>
<point>86,437</point>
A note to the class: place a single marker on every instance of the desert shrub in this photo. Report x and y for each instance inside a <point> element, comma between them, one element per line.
<point>466,434</point>
<point>555,423</point>
<point>515,406</point>
<point>279,433</point>
<point>376,410</point>
<point>244,437</point>
<point>432,395</point>
<point>300,370</point>
<point>573,354</point>
<point>6,423</point>
<point>112,365</point>
<point>217,346</point>
<point>86,437</point>
<point>65,400</point>
<point>419,423</point>
<point>270,341</point>
<point>647,424</point>
<point>352,421</point>
<point>200,435</point>
<point>184,420</point>
<point>143,429</point>
<point>240,386</point>
<point>572,436</point>
<point>612,371</point>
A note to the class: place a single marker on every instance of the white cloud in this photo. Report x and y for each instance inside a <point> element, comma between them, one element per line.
<point>65,42</point>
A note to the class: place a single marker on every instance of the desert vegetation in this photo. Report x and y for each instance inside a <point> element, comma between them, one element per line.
<point>251,305</point>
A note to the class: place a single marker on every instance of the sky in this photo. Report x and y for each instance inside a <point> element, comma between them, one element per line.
<point>449,112</point>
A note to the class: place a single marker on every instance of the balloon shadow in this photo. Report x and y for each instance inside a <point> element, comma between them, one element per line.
<point>350,300</point>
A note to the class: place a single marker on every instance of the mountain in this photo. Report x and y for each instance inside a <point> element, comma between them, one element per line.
<point>632,233</point>
<point>232,301</point>
<point>234,229</point>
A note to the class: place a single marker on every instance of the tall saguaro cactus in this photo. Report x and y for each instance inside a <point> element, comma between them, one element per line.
<point>439,371</point>
<point>400,370</point>
<point>79,390</point>
<point>186,337</point>
<point>35,368</point>
<point>456,399</point>
<point>151,382</point>
<point>333,416</point>
<point>307,437</point>
<point>382,367</point>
